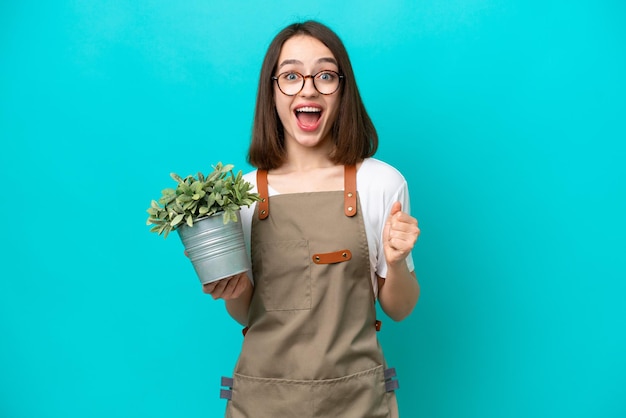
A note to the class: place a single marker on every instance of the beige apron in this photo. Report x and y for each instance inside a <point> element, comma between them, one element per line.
<point>311,348</point>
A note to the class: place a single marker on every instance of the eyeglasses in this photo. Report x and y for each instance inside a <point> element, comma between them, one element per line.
<point>291,83</point>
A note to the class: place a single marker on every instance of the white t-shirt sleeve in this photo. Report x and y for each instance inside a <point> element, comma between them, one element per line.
<point>380,186</point>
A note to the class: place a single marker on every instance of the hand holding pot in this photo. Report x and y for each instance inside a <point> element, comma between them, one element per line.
<point>228,288</point>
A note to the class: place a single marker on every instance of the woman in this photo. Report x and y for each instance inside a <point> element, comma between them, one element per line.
<point>329,238</point>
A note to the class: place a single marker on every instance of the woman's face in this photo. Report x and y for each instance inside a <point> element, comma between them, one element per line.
<point>307,116</point>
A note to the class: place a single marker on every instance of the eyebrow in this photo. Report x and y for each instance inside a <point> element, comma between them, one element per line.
<point>295,61</point>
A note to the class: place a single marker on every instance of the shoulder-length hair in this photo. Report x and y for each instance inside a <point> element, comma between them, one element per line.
<point>353,132</point>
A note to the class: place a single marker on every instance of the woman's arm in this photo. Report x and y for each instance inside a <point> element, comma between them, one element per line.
<point>236,292</point>
<point>399,291</point>
<point>398,294</point>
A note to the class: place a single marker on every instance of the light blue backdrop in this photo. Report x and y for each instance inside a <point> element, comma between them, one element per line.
<point>506,117</point>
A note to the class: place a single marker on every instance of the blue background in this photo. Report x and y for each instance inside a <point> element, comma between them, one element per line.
<point>506,117</point>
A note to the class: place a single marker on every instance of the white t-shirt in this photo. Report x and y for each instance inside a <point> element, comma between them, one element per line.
<point>379,185</point>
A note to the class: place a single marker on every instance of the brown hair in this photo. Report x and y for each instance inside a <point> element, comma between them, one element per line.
<point>352,131</point>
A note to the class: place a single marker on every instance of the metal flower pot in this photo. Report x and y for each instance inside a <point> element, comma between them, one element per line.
<point>216,250</point>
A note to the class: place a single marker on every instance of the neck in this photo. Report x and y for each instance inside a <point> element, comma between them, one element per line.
<point>302,159</point>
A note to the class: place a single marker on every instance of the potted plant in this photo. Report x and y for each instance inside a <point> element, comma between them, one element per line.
<point>204,210</point>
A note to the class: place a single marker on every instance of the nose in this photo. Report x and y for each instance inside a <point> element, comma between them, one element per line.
<point>309,87</point>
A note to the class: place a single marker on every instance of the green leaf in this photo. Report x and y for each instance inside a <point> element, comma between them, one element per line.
<point>189,206</point>
<point>189,220</point>
<point>165,200</point>
<point>183,198</point>
<point>177,207</point>
<point>177,219</point>
<point>183,188</point>
<point>176,177</point>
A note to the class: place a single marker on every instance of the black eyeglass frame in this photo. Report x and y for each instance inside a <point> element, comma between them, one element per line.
<point>312,77</point>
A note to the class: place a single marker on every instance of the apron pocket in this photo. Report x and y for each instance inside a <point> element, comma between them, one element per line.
<point>271,398</point>
<point>283,275</point>
<point>359,395</point>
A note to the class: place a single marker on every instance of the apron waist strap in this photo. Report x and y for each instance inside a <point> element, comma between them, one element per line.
<point>390,383</point>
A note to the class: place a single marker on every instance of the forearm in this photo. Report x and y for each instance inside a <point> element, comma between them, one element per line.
<point>399,292</point>
<point>238,308</point>
<point>236,291</point>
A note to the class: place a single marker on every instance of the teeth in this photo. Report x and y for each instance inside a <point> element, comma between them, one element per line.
<point>309,109</point>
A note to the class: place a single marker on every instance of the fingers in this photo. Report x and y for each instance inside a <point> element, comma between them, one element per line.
<point>228,288</point>
<point>395,208</point>
<point>217,289</point>
<point>400,234</point>
<point>400,225</point>
<point>209,288</point>
<point>403,226</point>
<point>403,236</point>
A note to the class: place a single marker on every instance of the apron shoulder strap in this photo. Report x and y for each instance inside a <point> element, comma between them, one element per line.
<point>349,190</point>
<point>264,204</point>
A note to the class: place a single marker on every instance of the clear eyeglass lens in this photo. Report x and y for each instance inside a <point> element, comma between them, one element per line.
<point>326,82</point>
<point>290,83</point>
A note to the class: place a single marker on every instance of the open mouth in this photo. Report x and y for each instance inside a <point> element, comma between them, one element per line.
<point>308,117</point>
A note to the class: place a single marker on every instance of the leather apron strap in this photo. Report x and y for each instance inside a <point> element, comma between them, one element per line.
<point>349,192</point>
<point>264,203</point>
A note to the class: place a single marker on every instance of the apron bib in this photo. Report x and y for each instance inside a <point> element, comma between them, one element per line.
<point>311,349</point>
